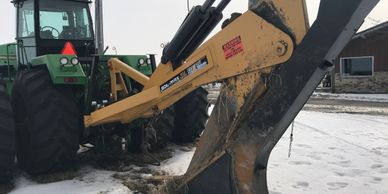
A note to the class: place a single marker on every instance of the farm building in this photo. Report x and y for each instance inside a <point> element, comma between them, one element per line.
<point>362,67</point>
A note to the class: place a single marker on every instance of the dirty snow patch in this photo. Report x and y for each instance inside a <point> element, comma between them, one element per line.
<point>353,97</point>
<point>92,182</point>
<point>178,164</point>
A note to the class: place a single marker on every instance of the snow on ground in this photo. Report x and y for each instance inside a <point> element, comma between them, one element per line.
<point>354,97</point>
<point>331,153</point>
<point>179,163</point>
<point>330,108</point>
<point>91,182</point>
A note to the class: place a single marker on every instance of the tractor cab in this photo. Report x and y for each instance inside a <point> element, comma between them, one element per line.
<point>53,27</point>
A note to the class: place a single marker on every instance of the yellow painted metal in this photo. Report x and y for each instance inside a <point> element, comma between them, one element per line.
<point>223,133</point>
<point>117,84</point>
<point>248,45</point>
<point>292,13</point>
<point>118,66</point>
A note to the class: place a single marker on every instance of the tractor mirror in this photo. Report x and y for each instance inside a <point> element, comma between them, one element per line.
<point>64,17</point>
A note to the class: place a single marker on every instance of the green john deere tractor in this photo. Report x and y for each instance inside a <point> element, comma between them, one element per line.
<point>53,75</point>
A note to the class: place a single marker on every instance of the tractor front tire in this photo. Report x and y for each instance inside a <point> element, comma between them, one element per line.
<point>164,127</point>
<point>47,123</point>
<point>7,139</point>
<point>184,121</point>
<point>191,116</point>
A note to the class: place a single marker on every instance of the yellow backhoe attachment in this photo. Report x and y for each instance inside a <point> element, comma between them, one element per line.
<point>246,47</point>
<point>269,62</point>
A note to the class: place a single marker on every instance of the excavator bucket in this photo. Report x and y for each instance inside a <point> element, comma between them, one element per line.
<point>254,110</point>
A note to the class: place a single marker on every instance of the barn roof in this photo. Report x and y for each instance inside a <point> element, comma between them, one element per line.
<point>378,30</point>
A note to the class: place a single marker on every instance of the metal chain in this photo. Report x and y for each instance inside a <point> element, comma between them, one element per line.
<point>291,139</point>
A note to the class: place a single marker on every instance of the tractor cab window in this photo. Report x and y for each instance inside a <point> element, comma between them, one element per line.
<point>26,26</point>
<point>64,20</point>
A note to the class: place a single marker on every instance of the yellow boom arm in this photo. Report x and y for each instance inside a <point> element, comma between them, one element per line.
<point>245,47</point>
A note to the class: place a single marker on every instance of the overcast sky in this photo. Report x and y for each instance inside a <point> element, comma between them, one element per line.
<point>139,27</point>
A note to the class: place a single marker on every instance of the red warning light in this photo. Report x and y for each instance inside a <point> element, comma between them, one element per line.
<point>70,79</point>
<point>68,49</point>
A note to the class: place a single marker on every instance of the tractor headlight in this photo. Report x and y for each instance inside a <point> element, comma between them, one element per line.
<point>148,61</point>
<point>63,61</point>
<point>74,61</point>
<point>141,61</point>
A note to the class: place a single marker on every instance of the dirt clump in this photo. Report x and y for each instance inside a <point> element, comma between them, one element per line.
<point>6,187</point>
<point>56,176</point>
<point>142,180</point>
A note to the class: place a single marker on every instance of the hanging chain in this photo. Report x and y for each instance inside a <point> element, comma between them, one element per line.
<point>291,139</point>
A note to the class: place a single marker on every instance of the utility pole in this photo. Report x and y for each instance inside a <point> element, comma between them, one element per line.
<point>99,27</point>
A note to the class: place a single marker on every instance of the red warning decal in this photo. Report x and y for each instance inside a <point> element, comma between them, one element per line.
<point>233,47</point>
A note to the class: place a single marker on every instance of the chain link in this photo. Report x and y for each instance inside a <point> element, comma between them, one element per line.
<point>291,139</point>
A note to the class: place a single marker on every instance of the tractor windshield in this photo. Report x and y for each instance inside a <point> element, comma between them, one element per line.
<point>64,20</point>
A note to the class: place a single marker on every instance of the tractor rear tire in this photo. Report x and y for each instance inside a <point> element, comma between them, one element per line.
<point>191,116</point>
<point>47,123</point>
<point>7,133</point>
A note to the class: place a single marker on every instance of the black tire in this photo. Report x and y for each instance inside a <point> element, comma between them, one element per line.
<point>7,133</point>
<point>191,116</point>
<point>47,123</point>
<point>164,126</point>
